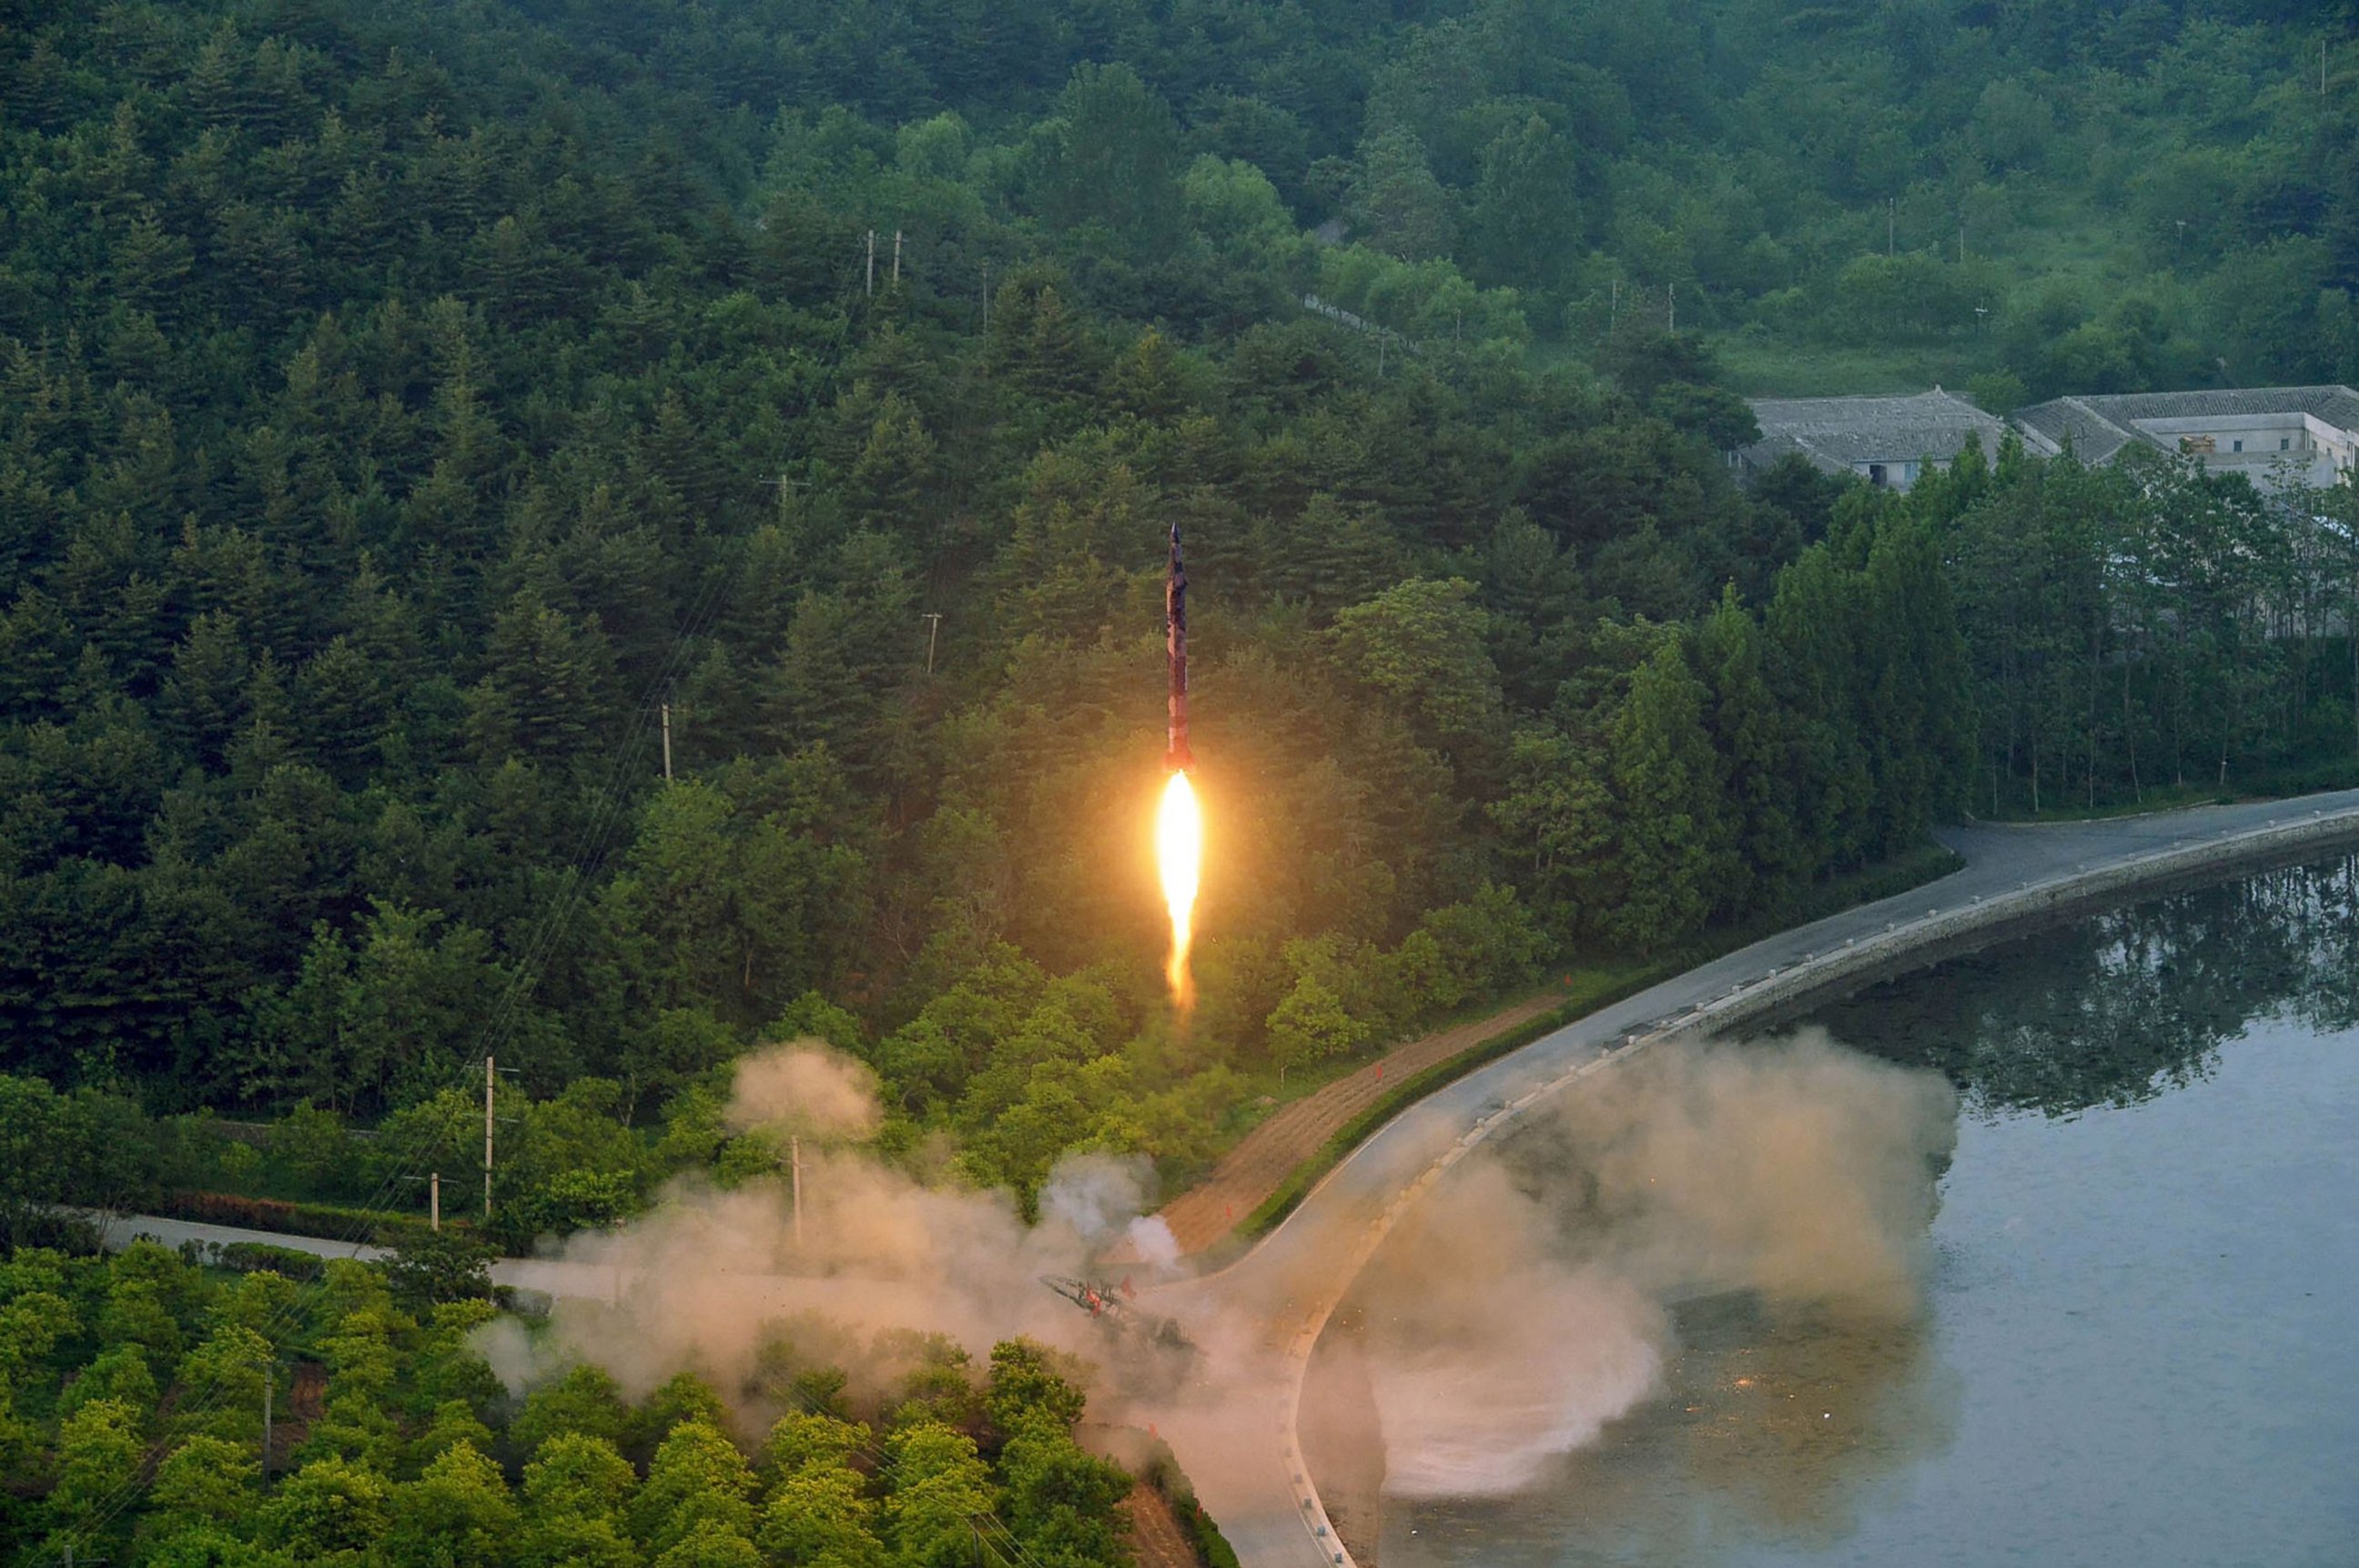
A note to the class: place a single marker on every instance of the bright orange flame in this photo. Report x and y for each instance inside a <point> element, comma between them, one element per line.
<point>1179,854</point>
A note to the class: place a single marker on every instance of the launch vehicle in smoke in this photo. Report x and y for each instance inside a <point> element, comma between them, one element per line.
<point>1178,822</point>
<point>1176,756</point>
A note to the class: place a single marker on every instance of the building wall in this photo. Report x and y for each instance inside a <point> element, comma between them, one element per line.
<point>2276,447</point>
<point>1899,474</point>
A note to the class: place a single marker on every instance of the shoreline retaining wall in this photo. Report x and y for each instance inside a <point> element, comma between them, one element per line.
<point>1905,944</point>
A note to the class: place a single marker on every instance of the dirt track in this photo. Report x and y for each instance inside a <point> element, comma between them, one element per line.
<point>1155,1537</point>
<point>1251,1171</point>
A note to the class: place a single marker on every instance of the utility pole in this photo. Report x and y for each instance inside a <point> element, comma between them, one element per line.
<point>870,289</point>
<point>933,630</point>
<point>434,1199</point>
<point>487,1136</point>
<point>794,1162</point>
<point>667,741</point>
<point>1672,309</point>
<point>269,1382</point>
<point>896,258</point>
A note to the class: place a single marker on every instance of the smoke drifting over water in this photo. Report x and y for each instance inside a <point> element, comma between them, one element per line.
<point>1521,1308</point>
<point>1490,1352</point>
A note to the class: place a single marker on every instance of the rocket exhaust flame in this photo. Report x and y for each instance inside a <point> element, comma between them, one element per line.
<point>1179,823</point>
<point>1180,852</point>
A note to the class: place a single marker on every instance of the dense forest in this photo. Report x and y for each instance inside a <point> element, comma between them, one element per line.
<point>588,535</point>
<point>596,535</point>
<point>427,429</point>
<point>391,1443</point>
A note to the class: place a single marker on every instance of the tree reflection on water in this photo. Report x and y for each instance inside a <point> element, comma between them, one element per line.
<point>1780,1425</point>
<point>2118,1008</point>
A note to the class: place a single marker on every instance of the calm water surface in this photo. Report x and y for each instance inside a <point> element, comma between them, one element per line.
<point>2141,1337</point>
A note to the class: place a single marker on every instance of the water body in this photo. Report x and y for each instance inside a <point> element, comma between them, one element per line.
<point>2141,1286</point>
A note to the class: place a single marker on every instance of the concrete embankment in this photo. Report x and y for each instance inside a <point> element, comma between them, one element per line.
<point>1940,934</point>
<point>2014,877</point>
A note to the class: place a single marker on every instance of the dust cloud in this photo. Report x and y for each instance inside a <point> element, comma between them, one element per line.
<point>1518,1309</point>
<point>1523,1307</point>
<point>713,1280</point>
<point>807,1090</point>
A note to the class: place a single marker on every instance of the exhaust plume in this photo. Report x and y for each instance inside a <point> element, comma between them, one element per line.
<point>1523,1307</point>
<point>807,1089</point>
<point>703,1280</point>
<point>1519,1310</point>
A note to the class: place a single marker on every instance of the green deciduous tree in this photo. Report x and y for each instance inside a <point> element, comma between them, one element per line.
<point>697,1488</point>
<point>939,1488</point>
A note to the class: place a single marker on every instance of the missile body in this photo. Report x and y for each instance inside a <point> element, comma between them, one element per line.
<point>1176,756</point>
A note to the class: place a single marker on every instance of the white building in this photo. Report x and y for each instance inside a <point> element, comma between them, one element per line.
<point>1888,441</point>
<point>2273,435</point>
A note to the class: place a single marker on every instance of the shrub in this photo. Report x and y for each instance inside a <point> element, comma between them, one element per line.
<point>329,1221</point>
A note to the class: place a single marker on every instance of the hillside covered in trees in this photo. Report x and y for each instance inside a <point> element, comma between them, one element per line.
<point>412,411</point>
<point>423,427</point>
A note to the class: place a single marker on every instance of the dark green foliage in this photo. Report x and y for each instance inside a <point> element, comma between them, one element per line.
<point>440,1266</point>
<point>404,411</point>
<point>120,1446</point>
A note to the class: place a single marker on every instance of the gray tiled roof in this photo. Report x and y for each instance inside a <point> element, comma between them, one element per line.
<point>2099,426</point>
<point>2072,421</point>
<point>2338,405</point>
<point>1844,431</point>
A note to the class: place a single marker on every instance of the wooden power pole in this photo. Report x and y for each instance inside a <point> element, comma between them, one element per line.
<point>795,1163</point>
<point>488,1079</point>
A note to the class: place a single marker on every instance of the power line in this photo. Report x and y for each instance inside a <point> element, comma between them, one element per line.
<point>501,1021</point>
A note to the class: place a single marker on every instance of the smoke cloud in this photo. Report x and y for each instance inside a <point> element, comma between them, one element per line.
<point>1489,1351</point>
<point>713,1280</point>
<point>1517,1311</point>
<point>1795,1168</point>
<point>1522,1308</point>
<point>805,1089</point>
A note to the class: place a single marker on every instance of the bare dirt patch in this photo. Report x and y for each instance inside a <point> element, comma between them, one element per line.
<point>1251,1171</point>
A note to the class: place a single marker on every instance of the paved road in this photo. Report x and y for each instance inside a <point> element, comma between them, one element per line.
<point>877,1303</point>
<point>1259,1317</point>
<point>1244,1455</point>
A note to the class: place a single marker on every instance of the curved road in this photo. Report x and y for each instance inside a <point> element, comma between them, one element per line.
<point>1259,1318</point>
<point>1244,1453</point>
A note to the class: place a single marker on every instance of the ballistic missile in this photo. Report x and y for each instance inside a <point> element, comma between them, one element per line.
<point>1176,756</point>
